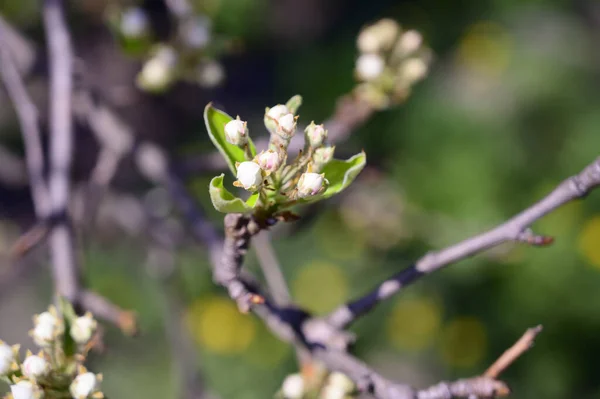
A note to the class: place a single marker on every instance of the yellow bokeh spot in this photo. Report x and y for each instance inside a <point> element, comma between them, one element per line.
<point>486,48</point>
<point>463,342</point>
<point>414,323</point>
<point>320,286</point>
<point>217,324</point>
<point>589,241</point>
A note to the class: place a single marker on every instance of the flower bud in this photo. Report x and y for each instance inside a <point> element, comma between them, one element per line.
<point>369,66</point>
<point>159,71</point>
<point>387,32</point>
<point>367,41</point>
<point>287,123</point>
<point>333,392</point>
<point>409,42</point>
<point>195,33</point>
<point>323,155</point>
<point>85,385</point>
<point>83,328</point>
<point>26,390</point>
<point>341,381</point>
<point>269,161</point>
<point>134,23</point>
<point>236,132</point>
<point>249,175</point>
<point>8,356</point>
<point>311,184</point>
<point>293,386</point>
<point>277,112</point>
<point>315,135</point>
<point>413,70</point>
<point>35,367</point>
<point>210,74</point>
<point>47,328</point>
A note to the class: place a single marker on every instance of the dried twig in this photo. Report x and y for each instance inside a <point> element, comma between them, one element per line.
<point>515,229</point>
<point>514,352</point>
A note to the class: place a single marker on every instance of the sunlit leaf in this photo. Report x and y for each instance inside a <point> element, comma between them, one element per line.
<point>224,201</point>
<point>215,121</point>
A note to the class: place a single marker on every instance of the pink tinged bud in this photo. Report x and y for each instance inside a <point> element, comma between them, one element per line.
<point>35,367</point>
<point>26,390</point>
<point>287,123</point>
<point>369,66</point>
<point>7,357</point>
<point>310,184</point>
<point>84,385</point>
<point>277,112</point>
<point>249,175</point>
<point>323,155</point>
<point>83,328</point>
<point>269,161</point>
<point>316,135</point>
<point>236,132</point>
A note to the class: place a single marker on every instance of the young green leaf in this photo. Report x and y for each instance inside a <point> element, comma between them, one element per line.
<point>225,202</point>
<point>294,103</point>
<point>339,174</point>
<point>215,121</point>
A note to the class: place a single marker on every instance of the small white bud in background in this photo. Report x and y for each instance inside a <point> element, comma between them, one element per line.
<point>409,42</point>
<point>158,72</point>
<point>210,74</point>
<point>47,328</point>
<point>249,175</point>
<point>369,66</point>
<point>84,385</point>
<point>310,184</point>
<point>269,161</point>
<point>35,367</point>
<point>196,33</point>
<point>7,358</point>
<point>367,41</point>
<point>315,134</point>
<point>333,392</point>
<point>277,112</point>
<point>134,22</point>
<point>26,390</point>
<point>83,328</point>
<point>387,32</point>
<point>287,123</point>
<point>323,155</point>
<point>413,70</point>
<point>236,132</point>
<point>341,381</point>
<point>293,386</point>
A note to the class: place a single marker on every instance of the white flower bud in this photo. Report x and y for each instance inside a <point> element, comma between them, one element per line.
<point>134,22</point>
<point>387,32</point>
<point>369,66</point>
<point>84,385</point>
<point>7,358</point>
<point>269,161</point>
<point>293,386</point>
<point>315,134</point>
<point>333,392</point>
<point>287,123</point>
<point>414,70</point>
<point>277,112</point>
<point>210,74</point>
<point>35,367</point>
<point>249,175</point>
<point>155,75</point>
<point>83,328</point>
<point>409,42</point>
<point>196,33</point>
<point>341,381</point>
<point>47,328</point>
<point>310,184</point>
<point>367,41</point>
<point>26,390</point>
<point>236,132</point>
<point>323,155</point>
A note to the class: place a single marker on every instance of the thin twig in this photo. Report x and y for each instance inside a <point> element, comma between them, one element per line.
<point>511,354</point>
<point>515,229</point>
<point>271,268</point>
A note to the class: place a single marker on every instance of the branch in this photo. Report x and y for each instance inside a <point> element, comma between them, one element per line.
<point>515,229</point>
<point>511,354</point>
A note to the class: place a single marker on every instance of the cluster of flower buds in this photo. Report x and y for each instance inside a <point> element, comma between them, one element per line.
<point>390,62</point>
<point>334,385</point>
<point>56,371</point>
<point>268,171</point>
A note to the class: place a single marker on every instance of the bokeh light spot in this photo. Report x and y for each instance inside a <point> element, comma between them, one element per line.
<point>218,325</point>
<point>320,286</point>
<point>589,241</point>
<point>486,48</point>
<point>463,342</point>
<point>414,323</point>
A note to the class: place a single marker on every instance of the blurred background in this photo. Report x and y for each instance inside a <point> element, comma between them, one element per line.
<point>511,107</point>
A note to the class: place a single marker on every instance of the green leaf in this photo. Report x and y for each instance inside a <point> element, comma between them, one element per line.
<point>225,202</point>
<point>215,121</point>
<point>340,174</point>
<point>294,103</point>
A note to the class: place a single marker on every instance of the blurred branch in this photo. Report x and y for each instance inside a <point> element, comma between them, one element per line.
<point>271,268</point>
<point>515,229</point>
<point>511,354</point>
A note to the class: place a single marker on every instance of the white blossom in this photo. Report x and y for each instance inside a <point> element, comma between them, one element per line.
<point>249,175</point>
<point>293,386</point>
<point>287,122</point>
<point>47,328</point>
<point>84,385</point>
<point>26,390</point>
<point>369,66</point>
<point>35,367</point>
<point>316,135</point>
<point>7,358</point>
<point>269,161</point>
<point>83,328</point>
